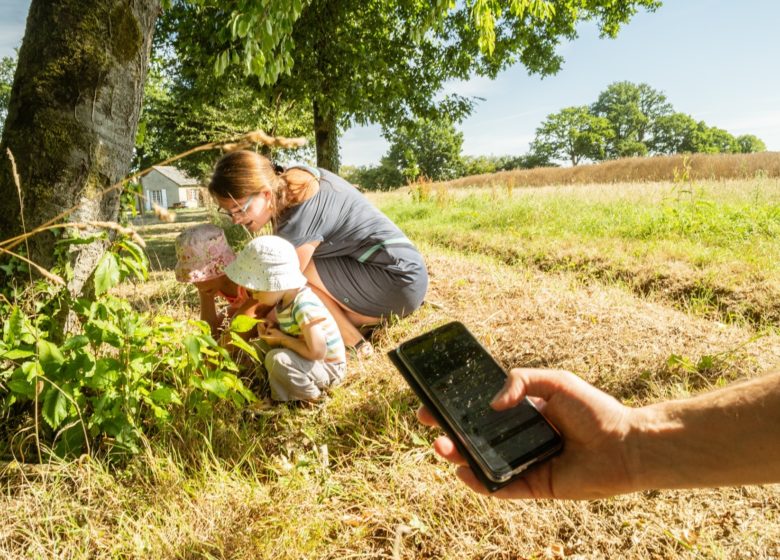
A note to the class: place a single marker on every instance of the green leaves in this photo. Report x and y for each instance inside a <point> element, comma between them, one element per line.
<point>107,273</point>
<point>56,405</point>
<point>122,375</point>
<point>243,323</point>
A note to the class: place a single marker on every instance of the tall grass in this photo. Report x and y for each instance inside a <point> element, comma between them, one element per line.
<point>659,168</point>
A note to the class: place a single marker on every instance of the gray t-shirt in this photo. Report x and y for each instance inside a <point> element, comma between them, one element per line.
<point>364,261</point>
<point>345,224</point>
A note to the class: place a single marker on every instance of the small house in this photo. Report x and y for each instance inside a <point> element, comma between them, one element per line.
<point>170,187</point>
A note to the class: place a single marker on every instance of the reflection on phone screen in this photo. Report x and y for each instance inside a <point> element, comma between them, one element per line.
<point>462,378</point>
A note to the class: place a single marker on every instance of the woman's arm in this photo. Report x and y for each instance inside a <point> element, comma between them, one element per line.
<point>305,253</point>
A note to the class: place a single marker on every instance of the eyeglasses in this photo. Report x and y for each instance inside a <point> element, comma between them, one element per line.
<point>242,210</point>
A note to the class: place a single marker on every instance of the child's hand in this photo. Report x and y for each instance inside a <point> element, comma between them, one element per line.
<point>273,336</point>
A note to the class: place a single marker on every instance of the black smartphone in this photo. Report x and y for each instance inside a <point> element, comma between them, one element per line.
<point>456,378</point>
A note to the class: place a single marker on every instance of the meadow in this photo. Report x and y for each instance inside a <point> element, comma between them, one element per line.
<point>649,290</point>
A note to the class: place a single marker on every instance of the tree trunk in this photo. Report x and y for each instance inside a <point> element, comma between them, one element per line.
<point>72,118</point>
<point>326,135</point>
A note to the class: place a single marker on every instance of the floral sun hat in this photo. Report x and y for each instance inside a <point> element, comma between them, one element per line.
<point>202,253</point>
<point>267,264</point>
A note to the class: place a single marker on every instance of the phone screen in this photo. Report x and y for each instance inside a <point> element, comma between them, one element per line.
<point>461,378</point>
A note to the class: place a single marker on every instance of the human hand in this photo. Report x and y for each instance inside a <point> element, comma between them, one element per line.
<point>273,336</point>
<point>594,426</point>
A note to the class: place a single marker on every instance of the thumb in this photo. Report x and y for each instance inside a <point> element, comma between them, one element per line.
<point>511,393</point>
<point>520,382</point>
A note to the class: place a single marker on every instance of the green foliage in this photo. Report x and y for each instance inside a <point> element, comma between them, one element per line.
<point>361,61</point>
<point>631,119</point>
<point>426,147</point>
<point>750,144</point>
<point>7,69</point>
<point>574,134</point>
<point>382,177</point>
<point>115,379</point>
<point>631,110</point>
<point>185,106</point>
<point>674,134</point>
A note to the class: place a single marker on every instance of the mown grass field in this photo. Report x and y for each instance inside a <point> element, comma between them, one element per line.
<point>650,291</point>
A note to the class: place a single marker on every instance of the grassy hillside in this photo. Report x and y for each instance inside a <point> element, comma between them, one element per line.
<point>636,169</point>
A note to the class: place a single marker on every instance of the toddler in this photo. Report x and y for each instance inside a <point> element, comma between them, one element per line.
<point>308,354</point>
<point>202,253</point>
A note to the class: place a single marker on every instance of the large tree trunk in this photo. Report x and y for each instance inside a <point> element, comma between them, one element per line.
<point>72,117</point>
<point>326,135</point>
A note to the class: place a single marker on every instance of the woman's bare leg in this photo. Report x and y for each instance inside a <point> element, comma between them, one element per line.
<point>346,319</point>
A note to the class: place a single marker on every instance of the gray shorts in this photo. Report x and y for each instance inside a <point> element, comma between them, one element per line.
<point>375,288</point>
<point>294,378</point>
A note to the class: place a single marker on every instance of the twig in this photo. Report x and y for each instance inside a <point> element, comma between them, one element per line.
<point>51,276</point>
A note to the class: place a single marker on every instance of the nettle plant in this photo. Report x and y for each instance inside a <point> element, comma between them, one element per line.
<point>117,378</point>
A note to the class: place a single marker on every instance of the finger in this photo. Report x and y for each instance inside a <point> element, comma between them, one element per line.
<point>517,490</point>
<point>446,449</point>
<point>425,417</point>
<point>467,476</point>
<point>541,383</point>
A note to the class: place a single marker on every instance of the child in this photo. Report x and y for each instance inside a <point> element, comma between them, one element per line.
<point>310,356</point>
<point>202,253</point>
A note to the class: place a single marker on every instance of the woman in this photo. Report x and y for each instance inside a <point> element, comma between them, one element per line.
<point>358,261</point>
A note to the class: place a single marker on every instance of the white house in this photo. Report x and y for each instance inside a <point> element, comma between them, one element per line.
<point>170,187</point>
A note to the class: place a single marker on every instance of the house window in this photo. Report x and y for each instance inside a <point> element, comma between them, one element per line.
<point>155,197</point>
<point>192,194</point>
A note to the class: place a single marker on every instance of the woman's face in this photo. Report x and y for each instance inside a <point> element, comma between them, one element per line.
<point>253,211</point>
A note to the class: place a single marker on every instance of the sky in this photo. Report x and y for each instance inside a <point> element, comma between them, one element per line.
<point>716,60</point>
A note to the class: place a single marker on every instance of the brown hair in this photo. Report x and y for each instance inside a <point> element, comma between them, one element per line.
<point>242,173</point>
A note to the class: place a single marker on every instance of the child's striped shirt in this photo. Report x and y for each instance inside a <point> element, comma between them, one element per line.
<point>303,309</point>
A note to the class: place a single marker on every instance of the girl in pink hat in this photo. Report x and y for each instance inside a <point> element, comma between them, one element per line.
<point>202,253</point>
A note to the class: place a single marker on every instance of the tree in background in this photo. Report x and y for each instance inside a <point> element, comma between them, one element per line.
<point>7,69</point>
<point>386,61</point>
<point>631,110</point>
<point>749,144</point>
<point>427,148</point>
<point>574,134</point>
<point>713,140</point>
<point>674,134</point>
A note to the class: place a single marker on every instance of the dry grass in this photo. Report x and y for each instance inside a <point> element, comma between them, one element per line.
<point>264,485</point>
<point>630,170</point>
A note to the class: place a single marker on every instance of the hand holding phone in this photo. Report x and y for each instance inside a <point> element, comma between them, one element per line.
<point>456,378</point>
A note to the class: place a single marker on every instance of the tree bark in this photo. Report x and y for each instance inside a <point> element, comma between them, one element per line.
<point>72,118</point>
<point>326,135</point>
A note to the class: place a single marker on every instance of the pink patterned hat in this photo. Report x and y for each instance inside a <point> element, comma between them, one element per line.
<point>202,253</point>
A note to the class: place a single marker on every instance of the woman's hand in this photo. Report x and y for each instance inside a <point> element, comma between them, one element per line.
<point>594,427</point>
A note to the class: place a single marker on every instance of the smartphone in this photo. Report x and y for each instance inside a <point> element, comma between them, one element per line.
<point>456,378</point>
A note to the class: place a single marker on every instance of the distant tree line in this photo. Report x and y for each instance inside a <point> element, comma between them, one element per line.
<point>629,120</point>
<point>626,120</point>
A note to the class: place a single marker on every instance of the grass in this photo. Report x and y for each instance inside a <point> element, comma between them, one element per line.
<point>711,246</point>
<point>633,170</point>
<point>356,478</point>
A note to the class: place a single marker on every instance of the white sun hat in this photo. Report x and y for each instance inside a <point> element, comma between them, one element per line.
<point>267,264</point>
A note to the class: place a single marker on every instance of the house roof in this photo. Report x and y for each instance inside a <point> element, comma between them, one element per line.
<point>176,175</point>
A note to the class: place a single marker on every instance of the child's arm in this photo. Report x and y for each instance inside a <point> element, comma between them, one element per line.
<point>208,310</point>
<point>311,345</point>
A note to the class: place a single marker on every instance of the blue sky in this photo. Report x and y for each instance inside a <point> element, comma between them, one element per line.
<point>714,59</point>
